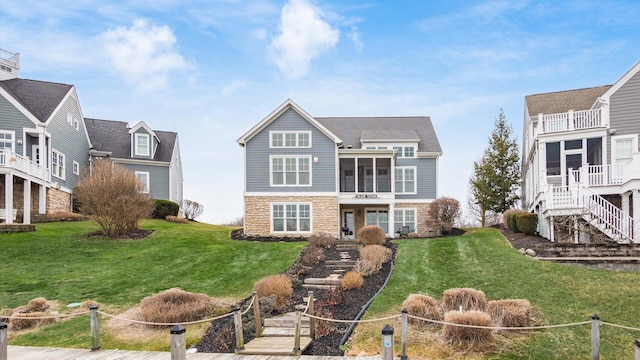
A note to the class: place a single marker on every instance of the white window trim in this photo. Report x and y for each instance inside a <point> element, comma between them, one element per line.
<point>415,180</point>
<point>284,157</point>
<point>404,216</point>
<point>634,145</point>
<point>146,184</point>
<point>69,119</point>
<point>284,145</point>
<point>54,155</point>
<point>378,210</point>
<point>135,144</point>
<point>13,138</point>
<point>284,204</point>
<point>76,124</point>
<point>76,168</point>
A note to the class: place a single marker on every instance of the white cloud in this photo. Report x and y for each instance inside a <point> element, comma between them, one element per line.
<point>354,35</point>
<point>143,53</point>
<point>303,36</point>
<point>259,34</point>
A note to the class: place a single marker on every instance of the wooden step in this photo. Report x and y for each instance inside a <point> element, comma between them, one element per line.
<point>340,262</point>
<point>321,287</point>
<point>285,331</point>
<point>285,322</point>
<point>322,281</point>
<point>274,345</point>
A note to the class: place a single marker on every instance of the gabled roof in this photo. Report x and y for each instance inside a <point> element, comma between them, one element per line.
<point>40,98</point>
<point>563,101</point>
<point>142,124</point>
<point>353,130</point>
<point>113,136</point>
<point>288,104</point>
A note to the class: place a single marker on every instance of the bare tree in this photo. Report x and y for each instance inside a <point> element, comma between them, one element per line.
<point>443,212</point>
<point>192,209</point>
<point>112,195</point>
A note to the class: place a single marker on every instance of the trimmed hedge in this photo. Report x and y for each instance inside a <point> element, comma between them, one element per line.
<point>165,208</point>
<point>526,222</point>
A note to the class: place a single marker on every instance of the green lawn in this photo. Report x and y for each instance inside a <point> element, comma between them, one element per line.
<point>482,259</point>
<point>59,262</point>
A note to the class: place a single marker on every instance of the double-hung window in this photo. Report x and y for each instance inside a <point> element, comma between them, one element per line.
<point>404,217</point>
<point>405,151</point>
<point>76,168</point>
<point>57,164</point>
<point>7,140</point>
<point>290,170</point>
<point>623,147</point>
<point>405,180</point>
<point>290,139</point>
<point>143,179</point>
<point>291,217</point>
<point>141,146</point>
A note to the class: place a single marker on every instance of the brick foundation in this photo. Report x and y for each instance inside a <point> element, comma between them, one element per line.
<point>324,210</point>
<point>422,209</point>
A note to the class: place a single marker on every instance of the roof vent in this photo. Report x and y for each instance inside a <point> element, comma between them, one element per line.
<point>349,146</point>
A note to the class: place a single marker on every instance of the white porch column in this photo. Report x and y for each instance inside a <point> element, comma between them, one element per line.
<point>625,202</point>
<point>26,217</point>
<point>8,198</point>
<point>552,230</point>
<point>42,199</point>
<point>391,221</point>
<point>636,216</point>
<point>42,146</point>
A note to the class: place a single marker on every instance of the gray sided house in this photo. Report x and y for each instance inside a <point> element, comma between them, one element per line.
<point>581,161</point>
<point>153,155</point>
<point>306,175</point>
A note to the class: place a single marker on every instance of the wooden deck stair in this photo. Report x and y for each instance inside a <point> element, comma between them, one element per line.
<point>278,337</point>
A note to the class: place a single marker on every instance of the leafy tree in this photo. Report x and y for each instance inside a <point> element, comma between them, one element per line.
<point>495,178</point>
<point>112,195</point>
<point>192,209</point>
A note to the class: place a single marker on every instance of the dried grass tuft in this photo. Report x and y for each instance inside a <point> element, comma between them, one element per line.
<point>371,259</point>
<point>278,285</point>
<point>351,280</point>
<point>322,240</point>
<point>469,299</point>
<point>65,216</point>
<point>467,336</point>
<point>175,306</point>
<point>37,305</point>
<point>423,306</point>
<point>313,255</point>
<point>371,235</point>
<point>176,219</point>
<point>21,324</point>
<point>510,313</point>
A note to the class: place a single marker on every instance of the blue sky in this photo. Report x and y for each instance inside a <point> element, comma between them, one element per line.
<point>210,70</point>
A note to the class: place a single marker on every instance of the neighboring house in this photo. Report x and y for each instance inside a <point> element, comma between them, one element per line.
<point>153,155</point>
<point>306,175</point>
<point>581,161</point>
<point>45,143</point>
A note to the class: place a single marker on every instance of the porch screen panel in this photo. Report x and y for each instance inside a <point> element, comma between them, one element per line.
<point>383,172</point>
<point>347,175</point>
<point>553,158</point>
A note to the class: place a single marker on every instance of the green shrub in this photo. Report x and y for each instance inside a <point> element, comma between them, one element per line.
<point>165,208</point>
<point>371,235</point>
<point>511,221</point>
<point>526,222</point>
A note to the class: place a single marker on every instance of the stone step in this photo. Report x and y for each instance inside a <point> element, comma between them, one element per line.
<point>285,331</point>
<point>340,262</point>
<point>341,266</point>
<point>322,281</point>
<point>321,287</point>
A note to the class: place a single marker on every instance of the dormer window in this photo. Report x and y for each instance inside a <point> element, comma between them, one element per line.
<point>141,144</point>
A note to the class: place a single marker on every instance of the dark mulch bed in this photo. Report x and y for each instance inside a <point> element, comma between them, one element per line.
<point>346,305</point>
<point>133,235</point>
<point>521,240</point>
<point>238,234</point>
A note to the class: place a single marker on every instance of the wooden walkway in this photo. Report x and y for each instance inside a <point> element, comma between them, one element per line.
<point>39,353</point>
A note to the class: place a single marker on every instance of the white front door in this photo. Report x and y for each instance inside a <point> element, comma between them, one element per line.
<point>348,223</point>
<point>35,153</point>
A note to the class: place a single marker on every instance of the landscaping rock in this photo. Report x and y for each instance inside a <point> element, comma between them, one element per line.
<point>530,252</point>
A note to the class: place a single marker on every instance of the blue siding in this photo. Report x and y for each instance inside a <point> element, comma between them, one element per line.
<point>158,179</point>
<point>11,119</point>
<point>625,110</point>
<point>257,172</point>
<point>426,178</point>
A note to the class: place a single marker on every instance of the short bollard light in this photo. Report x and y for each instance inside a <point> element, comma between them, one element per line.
<point>387,343</point>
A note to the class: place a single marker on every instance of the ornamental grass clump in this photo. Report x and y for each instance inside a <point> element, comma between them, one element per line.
<point>371,235</point>
<point>313,255</point>
<point>510,313</point>
<point>467,336</point>
<point>372,257</point>
<point>175,306</point>
<point>278,285</point>
<point>422,306</point>
<point>351,280</point>
<point>31,315</point>
<point>322,240</point>
<point>468,299</point>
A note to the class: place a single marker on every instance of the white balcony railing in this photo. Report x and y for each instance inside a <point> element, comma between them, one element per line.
<point>606,175</point>
<point>569,121</point>
<point>23,164</point>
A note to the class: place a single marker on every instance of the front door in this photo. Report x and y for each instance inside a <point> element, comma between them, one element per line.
<point>573,161</point>
<point>35,154</point>
<point>348,223</point>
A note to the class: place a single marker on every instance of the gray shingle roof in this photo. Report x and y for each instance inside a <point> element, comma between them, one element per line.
<point>563,101</point>
<point>354,129</point>
<point>39,97</point>
<point>113,136</point>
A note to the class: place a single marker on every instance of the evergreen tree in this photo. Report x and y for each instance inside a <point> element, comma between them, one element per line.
<point>495,178</point>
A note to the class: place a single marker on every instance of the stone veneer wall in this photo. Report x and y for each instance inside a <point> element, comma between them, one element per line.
<point>18,196</point>
<point>58,200</point>
<point>421,215</point>
<point>324,213</point>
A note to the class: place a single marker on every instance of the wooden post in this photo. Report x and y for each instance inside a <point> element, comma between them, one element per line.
<point>595,337</point>
<point>296,340</point>
<point>95,328</point>
<point>256,314</point>
<point>637,349</point>
<point>387,343</point>
<point>405,329</point>
<point>178,343</point>
<point>312,311</point>
<point>237,320</point>
<point>3,341</point>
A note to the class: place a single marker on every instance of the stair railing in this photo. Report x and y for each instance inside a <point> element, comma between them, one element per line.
<point>613,218</point>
